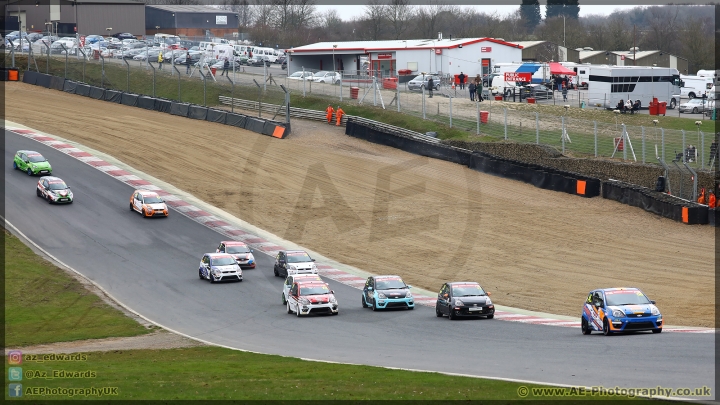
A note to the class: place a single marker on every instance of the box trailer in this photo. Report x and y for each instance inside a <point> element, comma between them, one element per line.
<point>609,84</point>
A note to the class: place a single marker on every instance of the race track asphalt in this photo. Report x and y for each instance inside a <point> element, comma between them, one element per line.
<point>151,265</point>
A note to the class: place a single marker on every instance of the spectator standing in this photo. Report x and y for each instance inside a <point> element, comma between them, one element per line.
<point>431,86</point>
<point>160,60</point>
<point>479,89</point>
<point>471,90</point>
<point>461,79</point>
<point>187,63</point>
<point>478,81</point>
<point>226,66</point>
<point>564,93</point>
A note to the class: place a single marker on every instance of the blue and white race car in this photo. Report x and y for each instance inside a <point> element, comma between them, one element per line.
<point>219,267</point>
<point>613,310</point>
<point>387,292</point>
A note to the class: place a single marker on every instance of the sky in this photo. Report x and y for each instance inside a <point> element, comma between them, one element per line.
<point>347,12</point>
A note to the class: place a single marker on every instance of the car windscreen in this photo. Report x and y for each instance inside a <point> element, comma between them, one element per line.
<point>389,283</point>
<point>419,78</point>
<point>632,297</point>
<point>152,199</point>
<point>298,257</point>
<point>237,249</point>
<point>36,158</point>
<point>223,261</point>
<point>467,290</point>
<point>314,290</point>
<point>296,74</point>
<point>57,185</point>
<point>320,73</point>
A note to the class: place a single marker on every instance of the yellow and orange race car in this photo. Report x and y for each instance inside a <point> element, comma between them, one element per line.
<point>148,203</point>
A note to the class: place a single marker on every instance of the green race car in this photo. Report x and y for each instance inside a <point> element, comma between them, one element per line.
<point>31,162</point>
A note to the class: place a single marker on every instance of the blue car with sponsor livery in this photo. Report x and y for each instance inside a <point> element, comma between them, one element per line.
<point>612,310</point>
<point>382,292</point>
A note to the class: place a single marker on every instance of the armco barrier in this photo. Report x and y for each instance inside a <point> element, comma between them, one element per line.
<point>29,77</point>
<point>275,129</point>
<point>179,109</point>
<point>254,124</point>
<point>146,102</point>
<point>69,86</point>
<point>129,99</point>
<point>113,96</point>
<point>82,89</point>
<point>43,80</point>
<point>163,105</point>
<point>57,83</point>
<point>236,120</point>
<point>218,116</point>
<point>98,93</point>
<point>662,204</point>
<point>197,112</point>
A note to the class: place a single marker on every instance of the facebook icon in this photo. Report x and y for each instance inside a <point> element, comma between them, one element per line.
<point>15,390</point>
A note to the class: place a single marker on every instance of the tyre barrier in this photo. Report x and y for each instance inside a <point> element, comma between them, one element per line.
<point>218,116</point>
<point>113,96</point>
<point>97,93</point>
<point>197,112</point>
<point>129,99</point>
<point>69,86</point>
<point>658,203</point>
<point>258,125</point>
<point>146,102</point>
<point>711,216</point>
<point>57,83</point>
<point>539,176</point>
<point>29,77</point>
<point>82,89</point>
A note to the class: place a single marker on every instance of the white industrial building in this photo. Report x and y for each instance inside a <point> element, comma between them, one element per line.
<point>471,56</point>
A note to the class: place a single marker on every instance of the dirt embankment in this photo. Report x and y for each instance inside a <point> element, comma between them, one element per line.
<point>387,211</point>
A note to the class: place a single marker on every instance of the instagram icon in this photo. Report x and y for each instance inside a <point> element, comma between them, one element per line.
<point>15,357</point>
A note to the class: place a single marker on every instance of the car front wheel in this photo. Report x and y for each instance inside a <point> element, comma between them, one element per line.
<point>362,301</point>
<point>437,312</point>
<point>289,311</point>
<point>200,274</point>
<point>284,301</point>
<point>658,330</point>
<point>606,327</point>
<point>584,327</point>
<point>15,166</point>
<point>29,172</point>
<point>695,110</point>
<point>38,193</point>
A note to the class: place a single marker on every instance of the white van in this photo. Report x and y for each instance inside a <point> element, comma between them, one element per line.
<point>222,51</point>
<point>696,86</point>
<point>272,54</point>
<point>243,50</point>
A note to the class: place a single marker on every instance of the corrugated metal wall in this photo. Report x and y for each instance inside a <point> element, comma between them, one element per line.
<point>159,18</point>
<point>205,20</point>
<point>94,18</point>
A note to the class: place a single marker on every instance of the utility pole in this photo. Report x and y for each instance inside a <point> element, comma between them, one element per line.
<point>634,46</point>
<point>563,31</point>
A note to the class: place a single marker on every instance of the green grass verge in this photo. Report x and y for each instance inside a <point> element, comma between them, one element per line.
<point>216,373</point>
<point>43,304</point>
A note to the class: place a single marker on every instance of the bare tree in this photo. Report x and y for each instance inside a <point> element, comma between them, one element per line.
<point>399,13</point>
<point>375,19</point>
<point>428,18</point>
<point>698,43</point>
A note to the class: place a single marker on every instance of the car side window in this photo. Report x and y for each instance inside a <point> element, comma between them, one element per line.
<point>24,157</point>
<point>288,281</point>
<point>221,248</point>
<point>45,183</point>
<point>598,299</point>
<point>368,282</point>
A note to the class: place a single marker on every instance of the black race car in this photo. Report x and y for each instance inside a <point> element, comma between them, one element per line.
<point>462,299</point>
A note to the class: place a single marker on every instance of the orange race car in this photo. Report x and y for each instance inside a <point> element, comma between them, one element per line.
<point>148,203</point>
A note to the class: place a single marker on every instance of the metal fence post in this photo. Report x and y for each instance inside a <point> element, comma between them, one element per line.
<point>505,115</point>
<point>625,141</point>
<point>683,146</point>
<point>423,101</point>
<point>450,108</point>
<point>47,61</point>
<point>595,135</point>
<point>643,143</point>
<point>374,91</point>
<point>102,71</point>
<point>178,75</point>
<point>662,142</point>
<point>128,74</point>
<point>562,132</point>
<point>702,150</point>
<point>537,128</point>
<point>397,98</point>
<point>12,52</point>
<point>204,87</point>
<point>341,88</point>
<point>153,68</point>
<point>264,76</point>
<point>303,80</point>
<point>477,107</point>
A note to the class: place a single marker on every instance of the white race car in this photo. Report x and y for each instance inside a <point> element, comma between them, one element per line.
<point>315,297</point>
<point>291,279</point>
<point>240,251</point>
<point>289,262</point>
<point>219,267</point>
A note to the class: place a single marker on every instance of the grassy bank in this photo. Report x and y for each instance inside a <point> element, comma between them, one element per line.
<point>43,304</point>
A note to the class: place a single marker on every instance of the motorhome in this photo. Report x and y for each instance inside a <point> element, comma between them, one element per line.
<point>609,84</point>
<point>696,86</point>
<point>706,73</point>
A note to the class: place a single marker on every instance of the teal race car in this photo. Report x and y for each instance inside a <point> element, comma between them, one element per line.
<point>31,163</point>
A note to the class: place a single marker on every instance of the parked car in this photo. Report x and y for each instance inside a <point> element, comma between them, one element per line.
<point>421,81</point>
<point>259,61</point>
<point>537,91</point>
<point>91,39</point>
<point>301,76</point>
<point>697,105</point>
<point>219,65</point>
<point>34,36</point>
<point>326,77</point>
<point>284,65</point>
<point>280,60</point>
<point>124,35</point>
